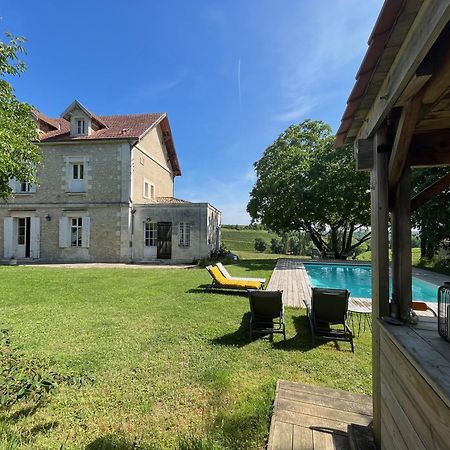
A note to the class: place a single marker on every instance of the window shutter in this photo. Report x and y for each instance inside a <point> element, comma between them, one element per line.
<point>35,237</point>
<point>8,231</point>
<point>12,183</point>
<point>64,232</point>
<point>85,232</point>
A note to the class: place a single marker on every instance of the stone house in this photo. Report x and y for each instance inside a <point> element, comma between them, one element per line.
<point>105,194</point>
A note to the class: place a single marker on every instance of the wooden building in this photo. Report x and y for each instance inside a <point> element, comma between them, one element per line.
<point>398,117</point>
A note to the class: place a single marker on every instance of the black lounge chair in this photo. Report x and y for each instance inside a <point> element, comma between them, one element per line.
<point>267,313</point>
<point>329,308</point>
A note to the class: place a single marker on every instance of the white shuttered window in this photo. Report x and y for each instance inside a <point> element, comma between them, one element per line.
<point>74,231</point>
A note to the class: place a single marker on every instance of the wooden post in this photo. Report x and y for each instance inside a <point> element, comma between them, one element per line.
<point>401,245</point>
<point>380,264</point>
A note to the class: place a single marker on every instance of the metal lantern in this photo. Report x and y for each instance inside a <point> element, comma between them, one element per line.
<point>444,310</point>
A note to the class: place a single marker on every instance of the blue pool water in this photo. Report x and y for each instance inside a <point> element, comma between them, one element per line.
<point>357,279</point>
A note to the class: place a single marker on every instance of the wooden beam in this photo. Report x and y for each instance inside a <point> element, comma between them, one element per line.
<point>363,154</point>
<point>430,192</point>
<point>403,137</point>
<point>426,150</point>
<point>401,246</point>
<point>380,264</point>
<point>430,149</point>
<point>414,86</point>
<point>440,81</point>
<point>428,25</point>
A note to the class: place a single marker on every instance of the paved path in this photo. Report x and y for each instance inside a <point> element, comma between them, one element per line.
<point>431,277</point>
<point>111,266</point>
<point>307,417</point>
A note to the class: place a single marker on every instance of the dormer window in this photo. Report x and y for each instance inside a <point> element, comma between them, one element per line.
<point>82,121</point>
<point>81,126</point>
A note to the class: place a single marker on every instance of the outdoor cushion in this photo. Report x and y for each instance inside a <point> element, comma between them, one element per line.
<point>229,277</point>
<point>221,281</point>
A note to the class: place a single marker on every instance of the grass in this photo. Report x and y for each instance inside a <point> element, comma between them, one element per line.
<point>435,265</point>
<point>173,365</point>
<point>415,255</point>
<point>244,240</point>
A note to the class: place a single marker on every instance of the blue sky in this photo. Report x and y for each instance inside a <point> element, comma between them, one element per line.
<point>231,74</point>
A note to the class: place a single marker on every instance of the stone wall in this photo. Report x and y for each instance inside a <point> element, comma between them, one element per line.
<point>108,242</point>
<point>150,161</point>
<point>202,217</point>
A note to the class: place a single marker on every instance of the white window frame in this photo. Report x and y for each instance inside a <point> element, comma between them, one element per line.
<point>77,185</point>
<point>150,234</point>
<point>24,187</point>
<point>79,166</point>
<point>80,124</point>
<point>16,187</point>
<point>184,234</point>
<point>66,225</point>
<point>76,224</point>
<point>148,189</point>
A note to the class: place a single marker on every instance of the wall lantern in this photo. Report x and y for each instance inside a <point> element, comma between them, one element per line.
<point>48,217</point>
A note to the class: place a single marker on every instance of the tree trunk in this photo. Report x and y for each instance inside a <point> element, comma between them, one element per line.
<point>334,243</point>
<point>348,244</point>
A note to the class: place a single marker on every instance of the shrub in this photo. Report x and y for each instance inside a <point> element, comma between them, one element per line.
<point>276,246</point>
<point>260,245</point>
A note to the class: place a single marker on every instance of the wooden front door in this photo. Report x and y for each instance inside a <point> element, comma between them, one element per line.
<point>164,243</point>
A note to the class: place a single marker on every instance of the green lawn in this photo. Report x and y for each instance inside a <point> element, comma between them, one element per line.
<point>242,242</point>
<point>173,365</point>
<point>435,265</point>
<point>415,256</point>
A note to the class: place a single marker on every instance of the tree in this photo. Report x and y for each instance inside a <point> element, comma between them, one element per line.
<point>304,183</point>
<point>433,218</point>
<point>19,155</point>
<point>276,246</point>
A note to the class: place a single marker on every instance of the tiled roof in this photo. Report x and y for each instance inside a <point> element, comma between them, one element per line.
<point>52,122</point>
<point>169,200</point>
<point>128,126</point>
<point>117,127</point>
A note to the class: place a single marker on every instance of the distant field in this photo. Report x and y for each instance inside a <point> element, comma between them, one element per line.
<point>367,256</point>
<point>244,240</point>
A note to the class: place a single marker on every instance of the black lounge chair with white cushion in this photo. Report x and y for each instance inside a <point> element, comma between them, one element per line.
<point>267,313</point>
<point>327,313</point>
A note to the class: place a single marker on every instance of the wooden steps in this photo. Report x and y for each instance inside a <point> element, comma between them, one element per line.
<point>360,437</point>
<point>312,417</point>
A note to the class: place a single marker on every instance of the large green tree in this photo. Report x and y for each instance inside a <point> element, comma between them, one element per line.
<point>433,218</point>
<point>304,183</point>
<point>19,155</point>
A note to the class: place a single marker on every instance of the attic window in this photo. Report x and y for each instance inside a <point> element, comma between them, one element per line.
<point>81,126</point>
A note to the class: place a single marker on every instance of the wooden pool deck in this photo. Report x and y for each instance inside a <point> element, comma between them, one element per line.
<point>312,417</point>
<point>291,277</point>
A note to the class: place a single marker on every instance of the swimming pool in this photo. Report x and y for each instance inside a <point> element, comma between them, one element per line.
<point>357,279</point>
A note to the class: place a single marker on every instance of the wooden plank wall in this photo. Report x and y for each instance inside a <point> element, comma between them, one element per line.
<point>413,416</point>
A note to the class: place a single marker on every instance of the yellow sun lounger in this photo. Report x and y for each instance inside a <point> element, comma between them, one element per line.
<point>219,281</point>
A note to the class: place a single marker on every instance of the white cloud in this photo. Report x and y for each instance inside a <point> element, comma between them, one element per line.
<point>297,109</point>
<point>161,87</point>
<point>333,37</point>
